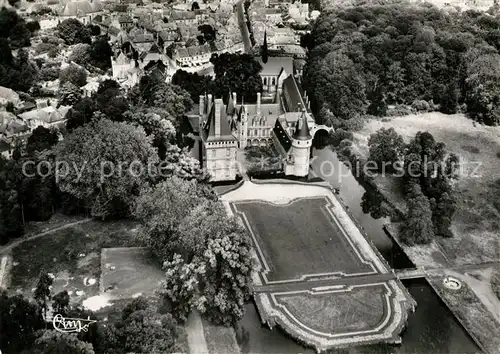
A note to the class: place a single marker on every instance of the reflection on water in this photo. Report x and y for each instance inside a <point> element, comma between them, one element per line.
<point>366,208</point>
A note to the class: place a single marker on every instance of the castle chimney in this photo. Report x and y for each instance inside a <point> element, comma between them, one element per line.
<point>234,98</point>
<point>202,105</point>
<point>209,105</point>
<point>219,106</point>
<point>299,109</point>
<point>258,103</point>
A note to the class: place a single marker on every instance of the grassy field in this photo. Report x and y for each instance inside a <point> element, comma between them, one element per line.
<point>356,310</point>
<point>471,312</point>
<point>293,245</point>
<point>476,223</point>
<point>71,254</point>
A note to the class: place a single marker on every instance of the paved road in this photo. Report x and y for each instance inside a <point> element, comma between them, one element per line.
<point>245,35</point>
<point>10,246</point>
<point>195,335</point>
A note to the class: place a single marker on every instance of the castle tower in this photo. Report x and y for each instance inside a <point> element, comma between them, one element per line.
<point>243,126</point>
<point>301,146</point>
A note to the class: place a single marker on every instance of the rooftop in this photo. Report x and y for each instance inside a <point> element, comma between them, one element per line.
<point>275,64</point>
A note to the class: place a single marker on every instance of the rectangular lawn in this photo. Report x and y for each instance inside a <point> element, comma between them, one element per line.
<point>128,272</point>
<point>300,238</point>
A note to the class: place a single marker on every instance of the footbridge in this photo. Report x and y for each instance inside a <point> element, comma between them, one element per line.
<point>411,273</point>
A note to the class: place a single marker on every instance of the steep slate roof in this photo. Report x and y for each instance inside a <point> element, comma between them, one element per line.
<point>75,8</point>
<point>282,136</point>
<point>302,128</point>
<point>295,93</point>
<point>274,66</point>
<point>225,128</point>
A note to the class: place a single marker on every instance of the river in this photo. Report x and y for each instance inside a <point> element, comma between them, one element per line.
<point>431,329</point>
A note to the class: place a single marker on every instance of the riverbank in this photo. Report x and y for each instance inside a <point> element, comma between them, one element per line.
<point>475,226</point>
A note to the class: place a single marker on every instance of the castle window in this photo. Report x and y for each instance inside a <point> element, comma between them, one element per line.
<point>265,81</point>
<point>214,153</point>
<point>274,81</point>
<point>228,152</point>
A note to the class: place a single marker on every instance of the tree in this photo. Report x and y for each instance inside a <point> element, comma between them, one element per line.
<point>143,330</point>
<point>264,49</point>
<point>111,162</point>
<point>20,35</point>
<point>73,31</point>
<point>193,83</point>
<point>94,30</point>
<point>41,139</point>
<point>101,53</point>
<point>160,210</point>
<point>449,101</point>
<point>238,73</point>
<point>483,95</point>
<point>42,291</point>
<point>386,147</point>
<point>73,74</point>
<point>60,303</point>
<point>216,262</point>
<point>80,114</point>
<point>68,94</point>
<point>19,322</point>
<point>418,228</point>
<point>54,342</point>
<point>340,86</point>
<point>80,54</point>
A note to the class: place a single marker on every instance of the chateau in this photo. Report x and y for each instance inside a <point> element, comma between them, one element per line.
<point>285,122</point>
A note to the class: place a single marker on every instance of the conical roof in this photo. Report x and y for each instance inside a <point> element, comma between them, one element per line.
<point>302,129</point>
<point>230,105</point>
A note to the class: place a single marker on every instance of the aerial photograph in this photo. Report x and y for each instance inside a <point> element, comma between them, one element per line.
<point>250,176</point>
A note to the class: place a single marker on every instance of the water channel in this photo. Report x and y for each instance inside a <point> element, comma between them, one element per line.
<point>431,329</point>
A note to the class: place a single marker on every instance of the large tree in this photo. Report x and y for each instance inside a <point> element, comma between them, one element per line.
<point>109,164</point>
<point>41,139</point>
<point>238,73</point>
<point>73,31</point>
<point>340,86</point>
<point>73,74</point>
<point>55,342</point>
<point>142,329</point>
<point>417,228</point>
<point>386,147</point>
<point>483,95</point>
<point>207,254</point>
<point>19,322</point>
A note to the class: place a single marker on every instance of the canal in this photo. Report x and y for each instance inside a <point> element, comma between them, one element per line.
<point>432,328</point>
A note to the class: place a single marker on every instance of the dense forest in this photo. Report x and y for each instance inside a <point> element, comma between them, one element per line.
<point>365,58</point>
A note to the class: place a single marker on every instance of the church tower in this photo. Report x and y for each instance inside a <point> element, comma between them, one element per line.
<point>301,147</point>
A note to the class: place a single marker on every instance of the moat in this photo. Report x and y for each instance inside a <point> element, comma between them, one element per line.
<point>432,328</point>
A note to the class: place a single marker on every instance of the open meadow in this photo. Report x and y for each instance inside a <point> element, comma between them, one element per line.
<point>72,255</point>
<point>476,223</point>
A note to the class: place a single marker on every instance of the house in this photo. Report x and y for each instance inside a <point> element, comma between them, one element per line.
<point>8,95</point>
<point>46,116</point>
<point>192,56</point>
<point>83,10</point>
